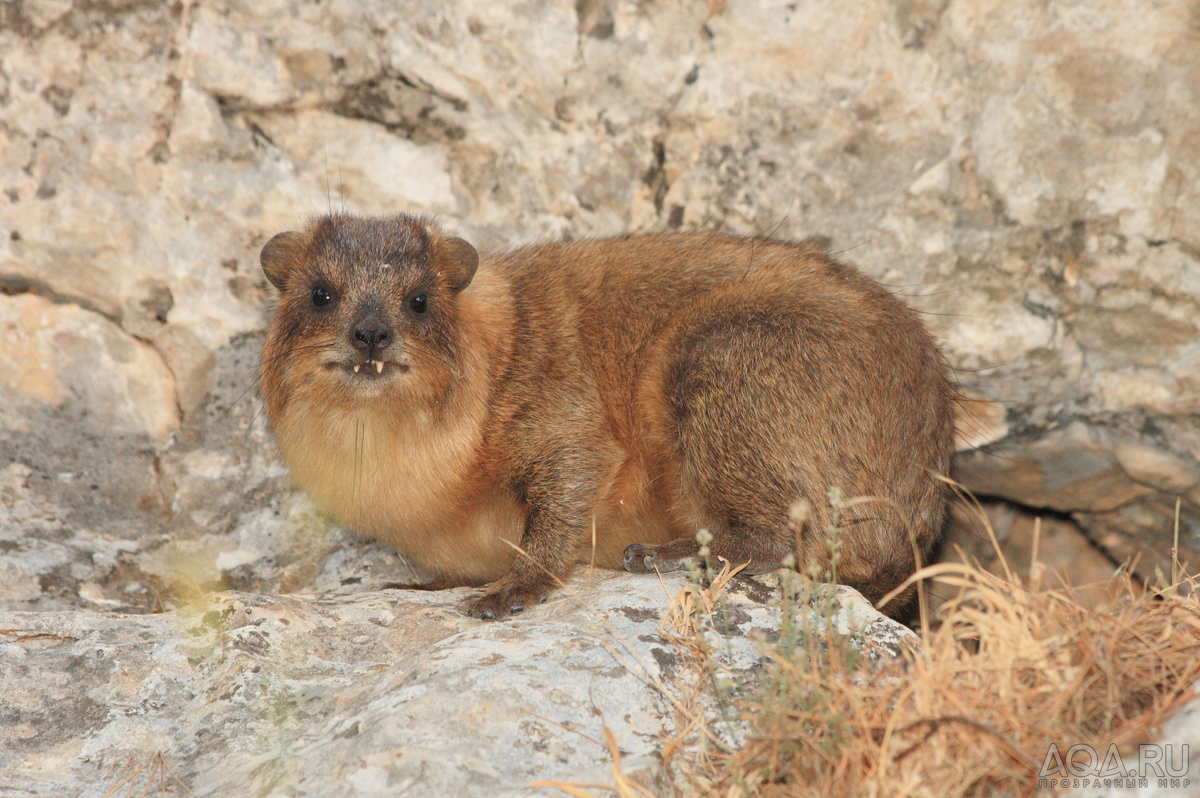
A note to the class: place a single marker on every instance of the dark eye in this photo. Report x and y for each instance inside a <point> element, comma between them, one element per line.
<point>418,303</point>
<point>321,296</point>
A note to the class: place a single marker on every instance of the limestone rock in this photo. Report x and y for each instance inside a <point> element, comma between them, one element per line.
<point>1121,490</point>
<point>1063,470</point>
<point>1036,192</point>
<point>1025,175</point>
<point>59,355</point>
<point>1142,532</point>
<point>1157,468</point>
<point>365,693</point>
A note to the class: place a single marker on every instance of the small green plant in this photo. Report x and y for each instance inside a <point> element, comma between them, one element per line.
<point>809,640</point>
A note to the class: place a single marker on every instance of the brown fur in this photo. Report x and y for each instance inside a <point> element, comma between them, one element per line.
<point>648,386</point>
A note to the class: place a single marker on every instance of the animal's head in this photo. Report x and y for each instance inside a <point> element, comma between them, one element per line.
<point>366,312</point>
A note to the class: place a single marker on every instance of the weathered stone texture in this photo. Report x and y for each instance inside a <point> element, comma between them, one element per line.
<point>368,693</point>
<point>1027,174</point>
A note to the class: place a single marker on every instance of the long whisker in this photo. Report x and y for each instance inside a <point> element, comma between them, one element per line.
<point>358,456</point>
<point>262,364</point>
<point>275,458</point>
<point>309,379</point>
<point>250,426</point>
<point>258,377</point>
<point>301,348</point>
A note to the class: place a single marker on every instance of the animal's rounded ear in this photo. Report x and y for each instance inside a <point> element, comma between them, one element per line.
<point>458,260</point>
<point>278,255</point>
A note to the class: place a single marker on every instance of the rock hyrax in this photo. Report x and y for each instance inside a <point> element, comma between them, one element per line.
<point>630,391</point>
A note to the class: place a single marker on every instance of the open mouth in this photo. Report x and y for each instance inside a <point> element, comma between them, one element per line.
<point>372,370</point>
<point>377,364</point>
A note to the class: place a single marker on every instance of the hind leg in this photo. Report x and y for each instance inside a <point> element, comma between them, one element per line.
<point>766,413</point>
<point>738,416</point>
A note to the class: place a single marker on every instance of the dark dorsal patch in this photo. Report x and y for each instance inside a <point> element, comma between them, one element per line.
<point>369,243</point>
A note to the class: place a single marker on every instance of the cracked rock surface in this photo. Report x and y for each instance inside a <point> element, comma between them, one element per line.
<point>367,692</point>
<point>1025,174</point>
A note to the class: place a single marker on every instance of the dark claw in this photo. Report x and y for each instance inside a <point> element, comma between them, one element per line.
<point>490,607</point>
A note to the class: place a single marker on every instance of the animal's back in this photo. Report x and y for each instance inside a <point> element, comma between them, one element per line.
<point>741,375</point>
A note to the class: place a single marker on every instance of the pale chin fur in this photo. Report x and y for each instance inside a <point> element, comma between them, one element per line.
<point>400,477</point>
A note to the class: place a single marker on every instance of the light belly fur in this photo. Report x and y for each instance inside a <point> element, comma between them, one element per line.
<point>392,483</point>
<point>397,488</point>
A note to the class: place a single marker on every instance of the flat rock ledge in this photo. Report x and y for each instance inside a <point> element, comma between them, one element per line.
<point>386,692</point>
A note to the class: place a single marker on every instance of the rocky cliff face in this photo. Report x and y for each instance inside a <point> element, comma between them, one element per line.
<point>1026,174</point>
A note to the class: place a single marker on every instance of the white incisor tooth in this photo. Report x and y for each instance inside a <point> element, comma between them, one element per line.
<point>378,366</point>
<point>356,366</point>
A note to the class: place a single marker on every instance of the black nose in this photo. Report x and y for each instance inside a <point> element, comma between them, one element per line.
<point>371,335</point>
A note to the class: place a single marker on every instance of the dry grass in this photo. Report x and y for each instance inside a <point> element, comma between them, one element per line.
<point>1010,670</point>
<point>622,785</point>
<point>153,777</point>
<point>1007,669</point>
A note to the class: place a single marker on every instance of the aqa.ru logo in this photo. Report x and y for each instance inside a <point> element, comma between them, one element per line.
<point>1081,766</point>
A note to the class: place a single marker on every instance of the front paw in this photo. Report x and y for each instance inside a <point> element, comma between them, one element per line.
<point>501,601</point>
